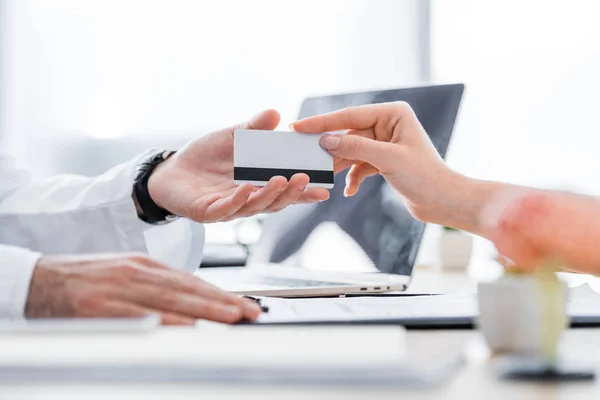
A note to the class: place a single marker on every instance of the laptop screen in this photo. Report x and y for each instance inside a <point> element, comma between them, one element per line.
<point>435,106</point>
<point>375,218</point>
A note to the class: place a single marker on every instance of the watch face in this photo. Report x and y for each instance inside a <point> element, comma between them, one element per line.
<point>171,218</point>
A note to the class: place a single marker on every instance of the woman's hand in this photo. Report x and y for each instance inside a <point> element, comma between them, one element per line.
<point>388,139</point>
<point>527,225</point>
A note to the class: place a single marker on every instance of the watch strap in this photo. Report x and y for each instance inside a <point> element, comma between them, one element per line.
<point>148,211</point>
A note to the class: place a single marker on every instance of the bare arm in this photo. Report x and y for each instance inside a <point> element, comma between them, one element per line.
<point>527,225</point>
<point>389,139</point>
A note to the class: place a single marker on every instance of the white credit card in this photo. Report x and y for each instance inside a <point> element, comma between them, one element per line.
<point>260,155</point>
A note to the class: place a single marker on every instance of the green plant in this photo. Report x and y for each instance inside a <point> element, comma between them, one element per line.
<point>447,228</point>
<point>549,288</point>
<point>516,272</point>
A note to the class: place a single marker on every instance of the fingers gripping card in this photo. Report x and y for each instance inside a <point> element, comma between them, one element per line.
<point>261,155</point>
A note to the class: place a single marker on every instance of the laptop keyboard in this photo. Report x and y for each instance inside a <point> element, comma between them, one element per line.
<point>291,282</point>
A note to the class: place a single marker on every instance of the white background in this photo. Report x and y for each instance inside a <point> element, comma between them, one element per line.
<point>145,71</point>
<point>89,83</point>
<point>150,69</point>
<point>532,70</point>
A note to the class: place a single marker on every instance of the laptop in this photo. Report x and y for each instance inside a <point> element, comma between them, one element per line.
<point>375,218</point>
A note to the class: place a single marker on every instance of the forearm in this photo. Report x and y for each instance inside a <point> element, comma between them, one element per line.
<point>527,225</point>
<point>466,203</point>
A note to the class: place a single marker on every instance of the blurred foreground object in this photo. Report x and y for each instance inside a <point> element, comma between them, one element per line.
<point>523,314</point>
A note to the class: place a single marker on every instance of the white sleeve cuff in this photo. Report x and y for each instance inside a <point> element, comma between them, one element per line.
<point>129,228</point>
<point>16,267</point>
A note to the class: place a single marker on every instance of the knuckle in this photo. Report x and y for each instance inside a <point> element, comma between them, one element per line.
<point>347,114</point>
<point>209,310</point>
<point>301,185</point>
<point>218,312</point>
<point>187,283</point>
<point>128,270</point>
<point>245,212</point>
<point>231,318</point>
<point>171,301</point>
<point>351,110</point>
<point>354,145</point>
<point>168,319</point>
<point>402,106</point>
<point>140,257</point>
<point>282,203</point>
<point>275,209</point>
<point>197,211</point>
<point>238,200</point>
<point>199,308</point>
<point>88,304</point>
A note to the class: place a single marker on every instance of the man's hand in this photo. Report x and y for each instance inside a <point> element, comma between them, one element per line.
<point>387,139</point>
<point>197,182</point>
<point>128,286</point>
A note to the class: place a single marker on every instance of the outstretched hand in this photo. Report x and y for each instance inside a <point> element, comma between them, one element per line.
<point>385,139</point>
<point>197,182</point>
<point>528,226</point>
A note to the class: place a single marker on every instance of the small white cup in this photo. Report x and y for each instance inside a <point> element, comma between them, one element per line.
<point>454,250</point>
<point>512,316</point>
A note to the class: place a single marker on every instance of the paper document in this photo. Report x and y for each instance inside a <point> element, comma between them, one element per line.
<point>79,325</point>
<point>213,345</point>
<point>368,308</point>
<point>221,353</point>
<point>583,302</point>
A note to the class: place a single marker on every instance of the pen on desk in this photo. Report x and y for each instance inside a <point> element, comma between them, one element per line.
<point>263,307</point>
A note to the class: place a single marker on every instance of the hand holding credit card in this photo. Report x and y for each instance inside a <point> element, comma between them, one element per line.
<point>260,155</point>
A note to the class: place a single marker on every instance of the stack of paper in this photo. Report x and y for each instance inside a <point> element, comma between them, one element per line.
<point>219,353</point>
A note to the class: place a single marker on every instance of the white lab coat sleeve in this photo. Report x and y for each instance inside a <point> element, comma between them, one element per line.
<point>74,214</point>
<point>71,214</point>
<point>16,266</point>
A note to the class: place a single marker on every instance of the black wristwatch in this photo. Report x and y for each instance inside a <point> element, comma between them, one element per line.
<point>147,210</point>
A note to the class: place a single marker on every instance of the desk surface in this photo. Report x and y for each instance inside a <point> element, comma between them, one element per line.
<point>476,378</point>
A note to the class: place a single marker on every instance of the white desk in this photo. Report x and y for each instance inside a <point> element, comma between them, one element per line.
<point>476,380</point>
